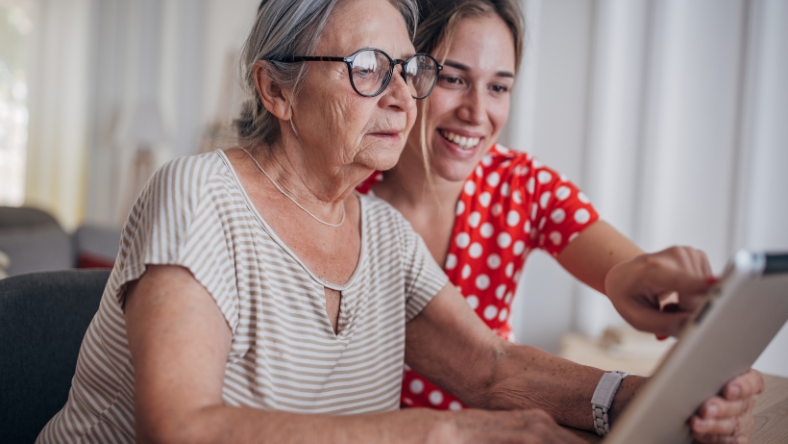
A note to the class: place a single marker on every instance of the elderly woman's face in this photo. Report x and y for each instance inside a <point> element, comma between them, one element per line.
<point>337,126</point>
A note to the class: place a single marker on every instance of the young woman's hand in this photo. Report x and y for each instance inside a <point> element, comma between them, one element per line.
<point>728,418</point>
<point>636,286</point>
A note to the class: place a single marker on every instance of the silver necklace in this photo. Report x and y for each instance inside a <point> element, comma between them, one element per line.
<point>291,198</point>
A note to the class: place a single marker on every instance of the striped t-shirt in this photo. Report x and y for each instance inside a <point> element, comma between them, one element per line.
<point>284,355</point>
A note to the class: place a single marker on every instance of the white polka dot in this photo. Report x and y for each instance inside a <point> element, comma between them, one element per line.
<point>524,170</point>
<point>497,209</point>
<point>509,270</point>
<point>542,222</point>
<point>558,215</point>
<point>479,171</point>
<point>536,164</point>
<point>519,247</point>
<point>506,164</point>
<point>500,291</point>
<point>504,313</point>
<point>487,160</point>
<point>505,190</point>
<point>473,301</point>
<point>466,271</point>
<point>406,367</point>
<point>555,238</point>
<point>493,261</point>
<point>544,199</point>
<point>407,401</point>
<point>544,177</point>
<point>513,218</point>
<point>573,237</point>
<point>469,188</point>
<point>490,312</point>
<point>534,209</point>
<point>416,386</point>
<point>485,199</point>
<point>508,297</point>
<point>517,276</point>
<point>482,282</point>
<point>563,177</point>
<point>379,177</point>
<point>502,149</point>
<point>516,197</point>
<point>475,250</point>
<point>582,216</point>
<point>436,397</point>
<point>531,185</point>
<point>493,179</point>
<point>454,405</point>
<point>474,219</point>
<point>583,198</point>
<point>527,226</point>
<point>460,208</point>
<point>451,261</point>
<point>562,193</point>
<point>486,230</point>
<point>463,240</point>
<point>504,240</point>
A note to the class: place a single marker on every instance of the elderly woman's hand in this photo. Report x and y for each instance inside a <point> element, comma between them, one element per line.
<point>728,419</point>
<point>636,287</point>
<point>517,426</point>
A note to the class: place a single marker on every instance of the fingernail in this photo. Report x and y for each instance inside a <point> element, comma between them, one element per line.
<point>711,411</point>
<point>711,280</point>
<point>734,391</point>
<point>661,338</point>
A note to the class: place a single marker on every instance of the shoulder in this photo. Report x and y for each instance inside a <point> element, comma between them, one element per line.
<point>190,176</point>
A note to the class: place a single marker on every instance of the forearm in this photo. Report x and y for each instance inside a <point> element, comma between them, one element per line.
<point>526,377</point>
<point>225,424</point>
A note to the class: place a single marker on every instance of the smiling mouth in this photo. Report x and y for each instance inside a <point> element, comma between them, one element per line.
<point>465,143</point>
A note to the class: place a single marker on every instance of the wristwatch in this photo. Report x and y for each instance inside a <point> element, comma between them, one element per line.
<point>603,398</point>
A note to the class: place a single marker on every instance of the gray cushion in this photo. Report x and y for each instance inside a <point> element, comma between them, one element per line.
<point>24,217</point>
<point>37,248</point>
<point>43,318</point>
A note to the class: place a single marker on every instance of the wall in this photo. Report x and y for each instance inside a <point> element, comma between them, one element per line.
<point>666,113</point>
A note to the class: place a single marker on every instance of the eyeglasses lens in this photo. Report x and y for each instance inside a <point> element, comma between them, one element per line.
<point>370,71</point>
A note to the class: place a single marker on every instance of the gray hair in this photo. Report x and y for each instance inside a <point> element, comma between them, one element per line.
<point>283,28</point>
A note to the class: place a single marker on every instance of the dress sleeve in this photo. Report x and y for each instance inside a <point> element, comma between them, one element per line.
<point>560,210</point>
<point>178,219</point>
<point>423,277</point>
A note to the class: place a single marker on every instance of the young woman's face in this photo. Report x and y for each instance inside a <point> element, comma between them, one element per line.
<point>470,103</point>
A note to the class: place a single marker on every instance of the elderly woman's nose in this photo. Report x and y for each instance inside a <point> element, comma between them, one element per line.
<point>398,93</point>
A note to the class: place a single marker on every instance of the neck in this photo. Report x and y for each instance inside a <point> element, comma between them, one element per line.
<point>408,185</point>
<point>321,190</point>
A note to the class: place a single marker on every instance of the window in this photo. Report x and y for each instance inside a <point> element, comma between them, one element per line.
<point>15,28</point>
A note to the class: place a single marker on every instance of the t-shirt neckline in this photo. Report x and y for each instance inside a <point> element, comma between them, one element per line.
<point>283,245</point>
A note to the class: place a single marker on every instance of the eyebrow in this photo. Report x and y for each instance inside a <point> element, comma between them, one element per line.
<point>465,68</point>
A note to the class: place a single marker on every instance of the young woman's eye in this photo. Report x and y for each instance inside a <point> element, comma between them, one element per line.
<point>450,81</point>
<point>499,89</point>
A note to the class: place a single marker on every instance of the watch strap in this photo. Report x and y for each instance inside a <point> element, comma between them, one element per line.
<point>603,398</point>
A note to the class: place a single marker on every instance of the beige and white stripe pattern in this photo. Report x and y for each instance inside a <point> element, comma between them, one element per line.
<point>285,355</point>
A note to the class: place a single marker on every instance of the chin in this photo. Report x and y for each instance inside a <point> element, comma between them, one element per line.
<point>454,170</point>
<point>380,160</point>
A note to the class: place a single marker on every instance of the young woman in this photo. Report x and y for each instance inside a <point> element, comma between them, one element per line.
<point>482,208</point>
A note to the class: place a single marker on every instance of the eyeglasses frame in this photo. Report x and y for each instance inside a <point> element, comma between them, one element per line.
<point>349,60</point>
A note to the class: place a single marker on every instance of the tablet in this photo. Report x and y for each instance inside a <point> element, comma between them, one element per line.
<point>741,314</point>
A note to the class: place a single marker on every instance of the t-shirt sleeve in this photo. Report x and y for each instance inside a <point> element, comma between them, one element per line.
<point>178,220</point>
<point>423,277</point>
<point>561,210</point>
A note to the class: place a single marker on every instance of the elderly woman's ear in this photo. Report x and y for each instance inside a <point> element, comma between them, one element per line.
<point>275,99</point>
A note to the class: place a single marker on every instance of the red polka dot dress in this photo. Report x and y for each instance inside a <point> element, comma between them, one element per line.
<point>509,205</point>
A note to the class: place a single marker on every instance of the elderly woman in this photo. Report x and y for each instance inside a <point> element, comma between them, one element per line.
<point>256,295</point>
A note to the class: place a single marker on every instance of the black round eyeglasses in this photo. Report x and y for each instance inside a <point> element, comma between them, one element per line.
<point>371,70</point>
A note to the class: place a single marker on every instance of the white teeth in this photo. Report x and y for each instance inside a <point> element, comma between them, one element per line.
<point>462,141</point>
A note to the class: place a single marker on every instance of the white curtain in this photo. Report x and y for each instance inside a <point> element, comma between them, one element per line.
<point>671,115</point>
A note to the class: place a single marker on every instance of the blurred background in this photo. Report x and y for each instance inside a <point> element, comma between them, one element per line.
<point>672,115</point>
